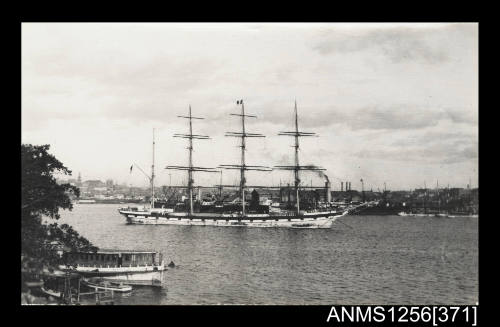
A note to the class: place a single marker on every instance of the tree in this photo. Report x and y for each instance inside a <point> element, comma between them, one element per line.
<point>42,197</point>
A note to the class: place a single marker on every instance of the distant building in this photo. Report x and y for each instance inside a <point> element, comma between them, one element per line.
<point>109,184</point>
<point>356,198</point>
<point>91,184</point>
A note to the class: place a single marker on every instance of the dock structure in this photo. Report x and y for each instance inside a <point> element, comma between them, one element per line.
<point>190,168</point>
<point>101,297</point>
<point>243,166</point>
<point>297,167</point>
<point>67,289</point>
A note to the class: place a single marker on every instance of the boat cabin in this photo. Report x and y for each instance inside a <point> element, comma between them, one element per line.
<point>113,258</point>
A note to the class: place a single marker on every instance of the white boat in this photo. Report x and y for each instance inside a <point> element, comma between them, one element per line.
<point>50,292</point>
<point>86,201</point>
<point>462,216</point>
<point>406,214</point>
<point>103,284</point>
<point>410,214</point>
<point>127,267</point>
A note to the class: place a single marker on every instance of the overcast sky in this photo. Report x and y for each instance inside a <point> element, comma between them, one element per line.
<point>394,103</point>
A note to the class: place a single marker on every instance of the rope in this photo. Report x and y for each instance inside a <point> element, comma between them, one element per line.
<point>344,224</point>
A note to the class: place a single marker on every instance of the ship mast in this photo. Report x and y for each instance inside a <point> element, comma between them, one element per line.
<point>190,168</point>
<point>297,167</point>
<point>220,186</point>
<point>243,166</point>
<point>153,174</point>
<point>425,198</point>
<point>439,198</point>
<point>152,177</point>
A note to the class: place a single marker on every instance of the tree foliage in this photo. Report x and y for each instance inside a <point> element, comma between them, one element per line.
<point>41,197</point>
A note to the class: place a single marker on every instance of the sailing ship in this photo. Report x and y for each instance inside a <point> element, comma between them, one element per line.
<point>239,214</point>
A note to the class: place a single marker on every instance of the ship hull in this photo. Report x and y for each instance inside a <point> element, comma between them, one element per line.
<point>151,276</point>
<point>145,278</point>
<point>312,220</point>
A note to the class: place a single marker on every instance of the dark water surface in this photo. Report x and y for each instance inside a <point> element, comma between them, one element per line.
<point>380,260</point>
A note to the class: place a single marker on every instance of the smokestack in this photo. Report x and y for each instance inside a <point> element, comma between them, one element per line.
<point>341,186</point>
<point>349,186</point>
<point>328,196</point>
<point>199,194</point>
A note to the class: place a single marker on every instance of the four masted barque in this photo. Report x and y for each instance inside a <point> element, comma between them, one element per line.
<point>239,215</point>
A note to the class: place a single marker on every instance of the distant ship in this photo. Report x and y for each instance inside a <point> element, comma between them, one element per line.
<point>239,213</point>
<point>416,214</point>
<point>86,201</point>
<point>439,212</point>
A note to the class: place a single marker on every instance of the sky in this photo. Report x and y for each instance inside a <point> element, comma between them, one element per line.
<point>394,103</point>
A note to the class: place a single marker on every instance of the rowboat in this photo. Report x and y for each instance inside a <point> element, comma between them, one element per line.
<point>50,292</point>
<point>100,284</point>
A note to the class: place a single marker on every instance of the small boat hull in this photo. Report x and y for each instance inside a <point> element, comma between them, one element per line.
<point>131,267</point>
<point>126,275</point>
<point>50,292</point>
<point>463,216</point>
<point>100,285</point>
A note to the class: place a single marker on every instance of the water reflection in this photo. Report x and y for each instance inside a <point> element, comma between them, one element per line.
<point>380,260</point>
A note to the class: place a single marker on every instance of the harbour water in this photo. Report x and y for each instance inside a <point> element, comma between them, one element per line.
<point>360,260</point>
